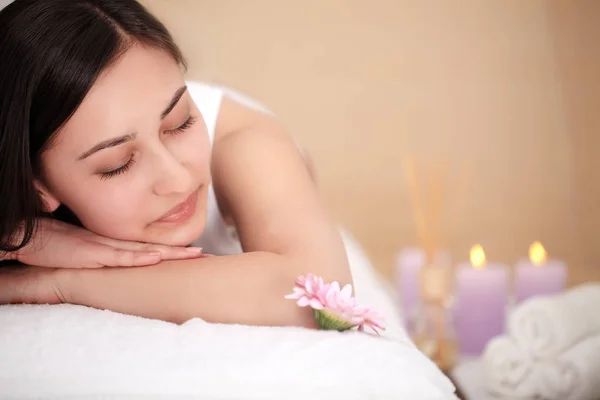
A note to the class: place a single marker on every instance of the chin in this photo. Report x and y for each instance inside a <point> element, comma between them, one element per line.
<point>182,233</point>
<point>185,233</point>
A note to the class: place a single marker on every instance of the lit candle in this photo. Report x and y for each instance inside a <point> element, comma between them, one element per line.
<point>539,275</point>
<point>481,294</point>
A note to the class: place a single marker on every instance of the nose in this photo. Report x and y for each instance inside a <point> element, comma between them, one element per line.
<point>172,175</point>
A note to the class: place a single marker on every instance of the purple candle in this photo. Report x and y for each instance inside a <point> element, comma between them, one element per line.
<point>409,262</point>
<point>538,275</point>
<point>481,294</point>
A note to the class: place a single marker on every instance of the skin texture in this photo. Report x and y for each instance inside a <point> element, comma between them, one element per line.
<point>262,184</point>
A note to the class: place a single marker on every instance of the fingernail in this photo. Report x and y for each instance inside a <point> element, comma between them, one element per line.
<point>155,254</point>
<point>194,250</point>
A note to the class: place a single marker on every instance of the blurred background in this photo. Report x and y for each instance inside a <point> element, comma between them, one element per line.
<point>503,94</point>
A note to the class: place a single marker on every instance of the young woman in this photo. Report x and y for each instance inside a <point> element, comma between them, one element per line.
<point>113,170</point>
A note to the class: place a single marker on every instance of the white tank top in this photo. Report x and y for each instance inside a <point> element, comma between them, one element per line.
<point>218,237</point>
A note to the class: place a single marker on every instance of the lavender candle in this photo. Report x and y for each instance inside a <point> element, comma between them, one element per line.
<point>481,294</point>
<point>538,275</point>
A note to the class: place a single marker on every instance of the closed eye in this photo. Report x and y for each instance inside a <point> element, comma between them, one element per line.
<point>183,127</point>
<point>118,171</point>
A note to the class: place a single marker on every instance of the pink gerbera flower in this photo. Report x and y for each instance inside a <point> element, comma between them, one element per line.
<point>334,308</point>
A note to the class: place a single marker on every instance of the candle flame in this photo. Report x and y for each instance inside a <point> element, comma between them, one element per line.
<point>537,253</point>
<point>477,256</point>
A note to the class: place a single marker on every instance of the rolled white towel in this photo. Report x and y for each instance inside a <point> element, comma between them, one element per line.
<point>508,370</point>
<point>573,375</point>
<point>546,326</point>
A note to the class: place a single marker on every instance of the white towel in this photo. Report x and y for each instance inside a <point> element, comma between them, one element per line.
<point>66,351</point>
<point>573,375</point>
<point>508,370</point>
<point>546,326</point>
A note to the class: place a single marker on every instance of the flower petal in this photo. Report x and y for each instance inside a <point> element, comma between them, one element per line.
<point>296,295</point>
<point>308,286</point>
<point>303,301</point>
<point>374,324</point>
<point>333,297</point>
<point>360,309</point>
<point>301,281</point>
<point>322,294</point>
<point>316,304</point>
<point>320,282</point>
<point>335,286</point>
<point>346,293</point>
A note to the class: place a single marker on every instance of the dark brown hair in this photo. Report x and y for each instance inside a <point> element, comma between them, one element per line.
<point>51,53</point>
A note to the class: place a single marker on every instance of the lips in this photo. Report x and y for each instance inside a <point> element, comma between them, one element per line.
<point>183,211</point>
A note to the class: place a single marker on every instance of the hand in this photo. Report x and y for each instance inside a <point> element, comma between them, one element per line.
<point>60,245</point>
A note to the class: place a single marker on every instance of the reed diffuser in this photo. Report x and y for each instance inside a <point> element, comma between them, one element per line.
<point>433,328</point>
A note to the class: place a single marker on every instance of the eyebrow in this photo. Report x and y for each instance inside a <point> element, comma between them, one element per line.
<point>126,138</point>
<point>176,97</point>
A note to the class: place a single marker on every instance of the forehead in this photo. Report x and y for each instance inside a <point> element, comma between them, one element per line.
<point>131,92</point>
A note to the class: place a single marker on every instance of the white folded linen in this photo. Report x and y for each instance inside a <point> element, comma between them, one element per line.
<point>547,326</point>
<point>574,374</point>
<point>508,370</point>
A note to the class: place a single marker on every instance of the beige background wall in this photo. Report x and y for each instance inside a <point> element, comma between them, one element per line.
<point>504,93</point>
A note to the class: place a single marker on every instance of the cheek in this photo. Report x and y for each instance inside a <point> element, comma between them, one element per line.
<point>105,207</point>
<point>108,208</point>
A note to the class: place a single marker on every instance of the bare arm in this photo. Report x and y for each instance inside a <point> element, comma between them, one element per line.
<point>245,289</point>
<point>262,180</point>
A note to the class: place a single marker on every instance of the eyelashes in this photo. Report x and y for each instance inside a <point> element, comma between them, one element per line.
<point>183,127</point>
<point>124,168</point>
<point>118,171</point>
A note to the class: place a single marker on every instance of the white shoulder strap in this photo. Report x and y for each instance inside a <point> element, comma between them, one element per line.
<point>208,100</point>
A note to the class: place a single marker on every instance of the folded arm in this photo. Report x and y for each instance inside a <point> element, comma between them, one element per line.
<point>262,181</point>
<point>245,289</point>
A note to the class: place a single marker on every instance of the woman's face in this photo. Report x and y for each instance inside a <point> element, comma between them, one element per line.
<point>132,163</point>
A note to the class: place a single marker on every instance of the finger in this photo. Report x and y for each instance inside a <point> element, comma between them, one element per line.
<point>130,258</point>
<point>116,243</point>
<point>100,255</point>
<point>176,253</point>
<point>166,252</point>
